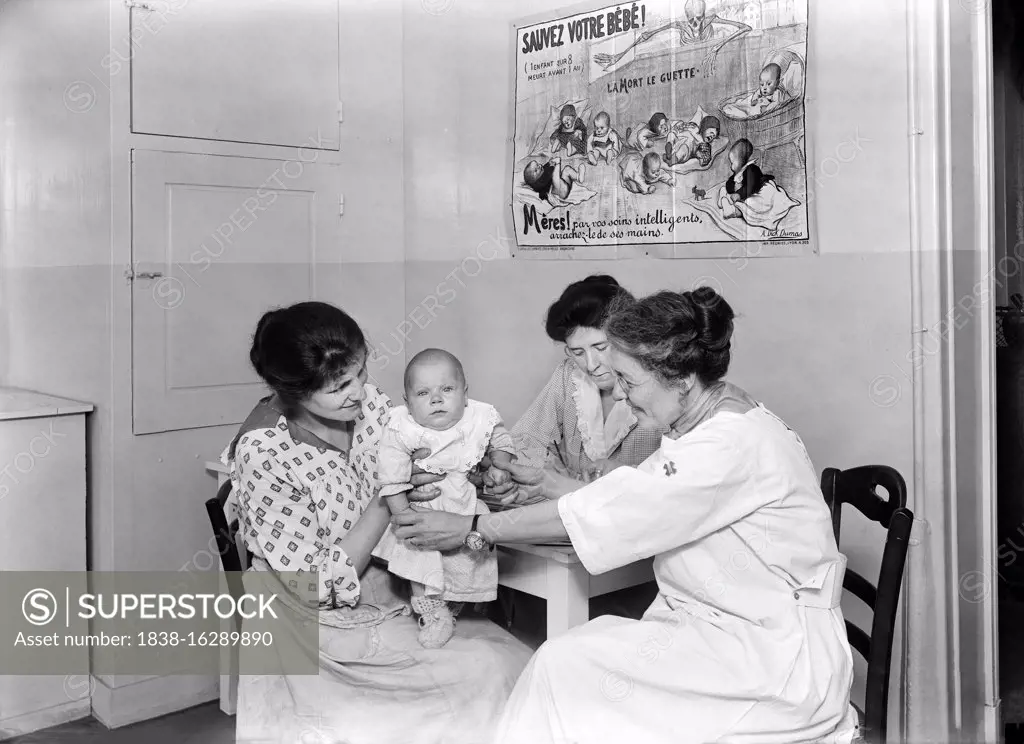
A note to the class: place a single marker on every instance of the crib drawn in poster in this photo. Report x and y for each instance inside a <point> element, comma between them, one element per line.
<point>777,126</point>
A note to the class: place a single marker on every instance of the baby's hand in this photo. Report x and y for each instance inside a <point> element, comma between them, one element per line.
<point>497,477</point>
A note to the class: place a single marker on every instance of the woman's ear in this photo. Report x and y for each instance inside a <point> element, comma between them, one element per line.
<point>687,383</point>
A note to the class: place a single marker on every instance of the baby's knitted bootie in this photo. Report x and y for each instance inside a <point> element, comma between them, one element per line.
<point>437,624</point>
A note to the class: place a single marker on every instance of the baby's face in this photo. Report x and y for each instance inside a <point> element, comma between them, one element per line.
<point>768,84</point>
<point>568,122</point>
<point>734,160</point>
<point>601,127</point>
<point>663,128</point>
<point>652,166</point>
<point>710,134</point>
<point>436,396</point>
<point>533,171</point>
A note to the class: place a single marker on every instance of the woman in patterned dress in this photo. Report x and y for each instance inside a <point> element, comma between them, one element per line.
<point>304,468</point>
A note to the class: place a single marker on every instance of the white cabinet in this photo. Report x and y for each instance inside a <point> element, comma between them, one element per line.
<point>257,71</point>
<point>42,510</point>
<point>216,241</point>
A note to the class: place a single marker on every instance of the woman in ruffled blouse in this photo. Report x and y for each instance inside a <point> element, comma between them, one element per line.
<point>575,425</point>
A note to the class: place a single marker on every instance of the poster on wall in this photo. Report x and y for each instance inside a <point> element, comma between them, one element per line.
<point>671,128</point>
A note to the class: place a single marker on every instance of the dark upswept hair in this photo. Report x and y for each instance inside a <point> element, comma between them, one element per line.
<point>300,349</point>
<point>675,334</point>
<point>583,304</point>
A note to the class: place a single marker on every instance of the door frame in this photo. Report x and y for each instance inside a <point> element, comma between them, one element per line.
<point>951,675</point>
<point>118,697</point>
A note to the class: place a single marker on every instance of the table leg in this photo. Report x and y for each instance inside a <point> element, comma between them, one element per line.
<point>229,682</point>
<point>568,596</point>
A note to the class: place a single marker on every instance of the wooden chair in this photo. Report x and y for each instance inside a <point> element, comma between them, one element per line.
<point>225,530</point>
<point>234,560</point>
<point>858,488</point>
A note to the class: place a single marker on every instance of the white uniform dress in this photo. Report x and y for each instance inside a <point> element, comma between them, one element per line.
<point>462,575</point>
<point>745,641</point>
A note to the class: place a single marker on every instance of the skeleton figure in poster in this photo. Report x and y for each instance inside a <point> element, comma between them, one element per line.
<point>695,28</point>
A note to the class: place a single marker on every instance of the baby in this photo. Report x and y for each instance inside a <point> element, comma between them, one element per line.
<point>747,179</point>
<point>458,431</point>
<point>693,141</point>
<point>770,93</point>
<point>570,134</point>
<point>603,142</point>
<point>553,178</point>
<point>643,135</point>
<point>640,172</point>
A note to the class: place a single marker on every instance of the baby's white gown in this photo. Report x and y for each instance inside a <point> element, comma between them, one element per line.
<point>463,575</point>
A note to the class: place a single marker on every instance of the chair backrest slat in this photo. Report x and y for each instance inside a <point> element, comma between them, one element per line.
<point>858,487</point>
<point>860,587</point>
<point>225,534</point>
<point>860,640</point>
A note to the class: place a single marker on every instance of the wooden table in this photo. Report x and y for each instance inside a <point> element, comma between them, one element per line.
<point>557,575</point>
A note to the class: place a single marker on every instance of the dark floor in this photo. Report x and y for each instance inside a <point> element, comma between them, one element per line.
<point>1011,656</point>
<point>202,725</point>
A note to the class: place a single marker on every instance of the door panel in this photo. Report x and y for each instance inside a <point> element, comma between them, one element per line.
<point>261,71</point>
<point>217,241</point>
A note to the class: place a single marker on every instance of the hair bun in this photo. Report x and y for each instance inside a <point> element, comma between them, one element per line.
<point>256,352</point>
<point>602,279</point>
<point>714,318</point>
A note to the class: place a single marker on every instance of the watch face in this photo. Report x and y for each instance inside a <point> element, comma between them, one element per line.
<point>475,541</point>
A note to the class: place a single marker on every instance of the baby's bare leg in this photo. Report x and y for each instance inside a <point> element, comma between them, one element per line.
<point>560,187</point>
<point>592,157</point>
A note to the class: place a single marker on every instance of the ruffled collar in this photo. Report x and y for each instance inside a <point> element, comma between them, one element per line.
<point>600,435</point>
<point>721,396</point>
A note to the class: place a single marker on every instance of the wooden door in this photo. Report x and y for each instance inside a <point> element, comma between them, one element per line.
<point>216,241</point>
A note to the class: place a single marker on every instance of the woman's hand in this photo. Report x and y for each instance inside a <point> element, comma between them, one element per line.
<point>493,488</point>
<point>431,530</point>
<point>536,484</point>
<point>422,480</point>
<point>599,469</point>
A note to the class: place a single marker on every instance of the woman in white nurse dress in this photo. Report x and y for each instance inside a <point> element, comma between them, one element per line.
<point>745,642</point>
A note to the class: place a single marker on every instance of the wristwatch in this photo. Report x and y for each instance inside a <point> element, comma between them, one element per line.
<point>475,540</point>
